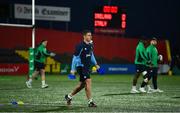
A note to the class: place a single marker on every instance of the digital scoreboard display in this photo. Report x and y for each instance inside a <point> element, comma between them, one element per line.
<point>109,19</point>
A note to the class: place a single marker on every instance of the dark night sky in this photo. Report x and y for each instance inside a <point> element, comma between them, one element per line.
<point>159,18</point>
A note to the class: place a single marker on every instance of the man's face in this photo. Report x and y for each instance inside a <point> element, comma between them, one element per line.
<point>45,43</point>
<point>154,42</point>
<point>88,37</point>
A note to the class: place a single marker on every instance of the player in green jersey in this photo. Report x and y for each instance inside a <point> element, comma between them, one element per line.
<point>40,57</point>
<point>152,54</point>
<point>140,62</point>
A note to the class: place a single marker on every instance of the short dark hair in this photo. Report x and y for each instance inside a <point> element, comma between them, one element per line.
<point>85,32</point>
<point>154,38</point>
<point>40,43</point>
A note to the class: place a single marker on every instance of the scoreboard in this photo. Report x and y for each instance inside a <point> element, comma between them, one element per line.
<point>109,19</point>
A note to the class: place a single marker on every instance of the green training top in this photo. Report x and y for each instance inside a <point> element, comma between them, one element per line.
<point>41,54</point>
<point>152,54</point>
<point>140,57</point>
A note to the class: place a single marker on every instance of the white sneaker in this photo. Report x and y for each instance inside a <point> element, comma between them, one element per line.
<point>44,86</point>
<point>142,90</point>
<point>28,84</point>
<point>158,91</point>
<point>134,91</point>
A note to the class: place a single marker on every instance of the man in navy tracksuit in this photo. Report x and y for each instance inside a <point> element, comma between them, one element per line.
<point>82,60</point>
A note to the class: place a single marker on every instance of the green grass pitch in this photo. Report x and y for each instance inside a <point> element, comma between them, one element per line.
<point>110,92</point>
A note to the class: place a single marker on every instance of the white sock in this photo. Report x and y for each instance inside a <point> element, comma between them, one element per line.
<point>70,96</point>
<point>43,82</point>
<point>90,100</point>
<point>146,80</point>
<point>133,87</point>
<point>144,73</point>
<point>30,80</point>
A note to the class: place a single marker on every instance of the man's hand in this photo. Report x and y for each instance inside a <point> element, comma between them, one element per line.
<point>73,72</point>
<point>52,54</point>
<point>72,75</point>
<point>160,57</point>
<point>97,66</point>
<point>100,70</point>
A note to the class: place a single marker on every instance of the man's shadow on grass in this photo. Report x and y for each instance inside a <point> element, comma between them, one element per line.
<point>116,94</point>
<point>61,108</point>
<point>176,97</point>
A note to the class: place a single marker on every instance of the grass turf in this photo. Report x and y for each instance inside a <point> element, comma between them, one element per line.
<point>111,93</point>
